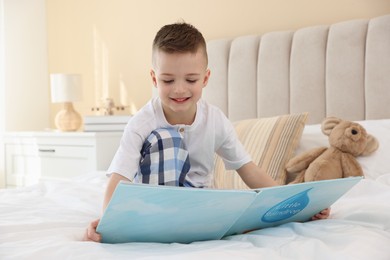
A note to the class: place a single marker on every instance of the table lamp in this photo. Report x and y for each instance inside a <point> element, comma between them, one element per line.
<point>66,88</point>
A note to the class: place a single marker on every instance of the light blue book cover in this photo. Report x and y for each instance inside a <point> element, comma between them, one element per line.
<point>147,213</point>
<point>291,203</point>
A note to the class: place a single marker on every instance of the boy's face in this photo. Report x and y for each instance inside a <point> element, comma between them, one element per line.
<point>179,79</point>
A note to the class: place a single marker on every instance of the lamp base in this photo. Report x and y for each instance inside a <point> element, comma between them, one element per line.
<point>68,119</point>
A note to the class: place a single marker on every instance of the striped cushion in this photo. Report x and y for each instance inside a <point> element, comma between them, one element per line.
<point>271,142</point>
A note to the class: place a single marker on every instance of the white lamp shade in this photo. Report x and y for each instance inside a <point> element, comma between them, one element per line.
<point>66,87</point>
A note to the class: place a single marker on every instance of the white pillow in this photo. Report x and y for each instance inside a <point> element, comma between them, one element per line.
<point>373,165</point>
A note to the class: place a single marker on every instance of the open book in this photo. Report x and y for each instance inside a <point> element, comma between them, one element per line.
<point>147,213</point>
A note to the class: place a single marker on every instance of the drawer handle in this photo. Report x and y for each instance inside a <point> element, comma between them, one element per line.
<point>47,150</point>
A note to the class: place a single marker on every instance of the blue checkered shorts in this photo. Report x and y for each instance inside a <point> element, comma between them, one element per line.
<point>164,159</point>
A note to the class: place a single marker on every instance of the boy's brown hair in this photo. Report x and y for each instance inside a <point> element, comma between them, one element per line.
<point>179,37</point>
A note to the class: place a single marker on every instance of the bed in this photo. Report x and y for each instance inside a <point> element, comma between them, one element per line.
<point>338,70</point>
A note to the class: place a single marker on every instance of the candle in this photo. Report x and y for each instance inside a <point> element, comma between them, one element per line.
<point>97,67</point>
<point>105,73</point>
<point>123,96</point>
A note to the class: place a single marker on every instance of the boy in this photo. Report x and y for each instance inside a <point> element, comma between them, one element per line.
<point>172,140</point>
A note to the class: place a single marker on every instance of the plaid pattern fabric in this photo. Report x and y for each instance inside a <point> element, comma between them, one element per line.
<point>164,159</point>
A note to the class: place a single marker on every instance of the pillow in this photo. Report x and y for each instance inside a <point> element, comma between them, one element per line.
<point>271,142</point>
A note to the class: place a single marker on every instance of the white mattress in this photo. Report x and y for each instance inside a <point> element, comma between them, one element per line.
<point>47,221</point>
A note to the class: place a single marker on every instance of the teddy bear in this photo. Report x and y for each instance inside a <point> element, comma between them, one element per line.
<point>347,140</point>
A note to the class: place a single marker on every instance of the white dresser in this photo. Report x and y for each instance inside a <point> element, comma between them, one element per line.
<point>30,156</point>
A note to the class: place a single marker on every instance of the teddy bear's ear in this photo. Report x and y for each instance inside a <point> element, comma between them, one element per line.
<point>328,124</point>
<point>372,145</point>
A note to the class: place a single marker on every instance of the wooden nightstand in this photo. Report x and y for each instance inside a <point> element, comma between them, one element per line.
<point>30,156</point>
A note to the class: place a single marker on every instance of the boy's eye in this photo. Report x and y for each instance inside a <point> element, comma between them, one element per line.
<point>168,81</point>
<point>192,81</point>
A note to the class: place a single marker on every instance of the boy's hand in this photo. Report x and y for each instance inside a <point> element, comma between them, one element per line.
<point>91,234</point>
<point>324,214</point>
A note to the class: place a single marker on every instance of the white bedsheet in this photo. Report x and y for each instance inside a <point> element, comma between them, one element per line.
<point>47,221</point>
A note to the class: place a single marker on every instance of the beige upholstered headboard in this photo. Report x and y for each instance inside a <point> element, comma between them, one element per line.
<point>337,70</point>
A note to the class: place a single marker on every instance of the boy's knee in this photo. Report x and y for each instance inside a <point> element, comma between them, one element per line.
<point>163,138</point>
<point>164,134</point>
<point>165,159</point>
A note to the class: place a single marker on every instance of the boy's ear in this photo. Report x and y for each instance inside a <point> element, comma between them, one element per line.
<point>153,76</point>
<point>206,78</point>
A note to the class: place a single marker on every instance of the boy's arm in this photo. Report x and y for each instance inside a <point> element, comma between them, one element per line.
<point>115,178</point>
<point>90,233</point>
<point>255,177</point>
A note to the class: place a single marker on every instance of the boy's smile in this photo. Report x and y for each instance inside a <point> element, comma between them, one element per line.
<point>180,100</point>
<point>179,79</point>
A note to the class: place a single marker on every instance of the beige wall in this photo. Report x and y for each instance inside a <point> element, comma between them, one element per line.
<point>108,41</point>
<point>26,99</point>
<point>24,96</point>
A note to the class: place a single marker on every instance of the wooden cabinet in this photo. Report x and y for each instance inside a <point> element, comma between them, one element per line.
<point>30,156</point>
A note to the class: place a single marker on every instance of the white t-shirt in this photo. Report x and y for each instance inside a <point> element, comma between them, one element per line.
<point>210,133</point>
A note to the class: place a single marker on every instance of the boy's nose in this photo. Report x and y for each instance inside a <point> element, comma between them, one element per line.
<point>179,87</point>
